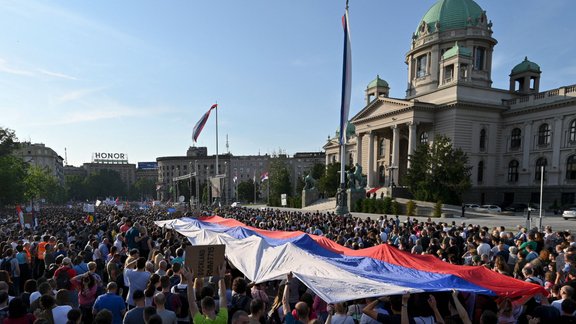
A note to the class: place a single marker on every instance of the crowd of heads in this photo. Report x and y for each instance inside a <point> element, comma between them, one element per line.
<point>65,263</point>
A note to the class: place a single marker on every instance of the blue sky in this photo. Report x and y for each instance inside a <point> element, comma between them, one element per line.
<point>134,76</point>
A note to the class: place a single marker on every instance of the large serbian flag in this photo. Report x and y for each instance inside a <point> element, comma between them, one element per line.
<point>336,273</point>
<point>200,124</point>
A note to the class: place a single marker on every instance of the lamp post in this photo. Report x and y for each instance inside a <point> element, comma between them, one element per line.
<point>391,169</point>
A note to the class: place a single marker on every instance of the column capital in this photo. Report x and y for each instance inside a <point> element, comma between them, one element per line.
<point>412,123</point>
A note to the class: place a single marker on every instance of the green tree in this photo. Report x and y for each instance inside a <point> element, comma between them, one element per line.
<point>246,191</point>
<point>12,169</point>
<point>76,188</point>
<point>12,175</point>
<point>318,170</point>
<point>8,141</point>
<point>105,183</point>
<point>279,180</point>
<point>439,172</point>
<point>330,180</point>
<point>145,188</point>
<point>41,184</point>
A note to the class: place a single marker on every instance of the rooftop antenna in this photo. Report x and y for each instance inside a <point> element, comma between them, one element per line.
<point>65,157</point>
<point>227,145</point>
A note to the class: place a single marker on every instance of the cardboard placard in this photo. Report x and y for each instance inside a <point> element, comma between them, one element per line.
<point>204,260</point>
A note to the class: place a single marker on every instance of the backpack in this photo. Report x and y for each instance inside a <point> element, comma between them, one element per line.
<point>63,280</point>
<point>6,265</point>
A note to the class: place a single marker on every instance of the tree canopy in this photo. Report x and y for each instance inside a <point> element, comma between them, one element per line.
<point>438,172</point>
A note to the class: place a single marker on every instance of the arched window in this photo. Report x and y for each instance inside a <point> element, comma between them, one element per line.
<point>480,176</point>
<point>483,140</point>
<point>540,163</point>
<point>572,131</point>
<point>516,139</point>
<point>571,168</point>
<point>424,138</point>
<point>544,134</point>
<point>513,171</point>
<point>382,148</point>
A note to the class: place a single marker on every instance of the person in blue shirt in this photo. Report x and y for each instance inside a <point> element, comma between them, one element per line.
<point>112,302</point>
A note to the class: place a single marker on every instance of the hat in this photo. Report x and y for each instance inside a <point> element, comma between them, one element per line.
<point>134,251</point>
<point>67,261</point>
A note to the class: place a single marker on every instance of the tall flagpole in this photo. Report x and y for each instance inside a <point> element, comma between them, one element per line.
<point>217,200</point>
<point>341,196</point>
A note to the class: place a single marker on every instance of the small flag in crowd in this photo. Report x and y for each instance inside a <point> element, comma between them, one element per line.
<point>200,124</point>
<point>264,177</point>
<point>20,214</point>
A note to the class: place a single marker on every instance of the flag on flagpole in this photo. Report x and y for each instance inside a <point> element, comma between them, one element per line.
<point>346,79</point>
<point>264,177</point>
<point>200,124</point>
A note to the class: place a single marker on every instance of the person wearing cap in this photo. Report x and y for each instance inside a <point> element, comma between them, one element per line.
<point>71,273</point>
<point>136,314</point>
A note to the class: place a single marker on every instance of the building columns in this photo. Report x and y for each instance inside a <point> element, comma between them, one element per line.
<point>370,170</point>
<point>411,140</point>
<point>359,148</point>
<point>395,151</point>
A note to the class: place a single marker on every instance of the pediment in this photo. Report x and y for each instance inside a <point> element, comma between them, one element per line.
<point>380,107</point>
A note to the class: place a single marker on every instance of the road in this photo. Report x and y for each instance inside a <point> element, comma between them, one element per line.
<point>510,222</point>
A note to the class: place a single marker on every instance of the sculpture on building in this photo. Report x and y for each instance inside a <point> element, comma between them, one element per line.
<point>356,181</point>
<point>309,182</point>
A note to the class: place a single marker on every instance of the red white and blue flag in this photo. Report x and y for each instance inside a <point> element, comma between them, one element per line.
<point>336,273</point>
<point>200,124</point>
<point>264,177</point>
<point>346,80</point>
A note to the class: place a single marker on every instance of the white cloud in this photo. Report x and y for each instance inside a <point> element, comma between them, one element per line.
<point>7,68</point>
<point>78,94</point>
<point>57,74</point>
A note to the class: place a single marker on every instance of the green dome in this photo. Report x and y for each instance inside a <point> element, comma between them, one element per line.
<point>526,66</point>
<point>451,14</point>
<point>377,83</point>
<point>350,130</point>
<point>457,50</point>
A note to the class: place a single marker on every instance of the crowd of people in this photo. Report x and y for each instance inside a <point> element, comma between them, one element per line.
<point>119,267</point>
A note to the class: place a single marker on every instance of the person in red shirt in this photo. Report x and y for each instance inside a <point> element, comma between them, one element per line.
<point>126,226</point>
<point>65,281</point>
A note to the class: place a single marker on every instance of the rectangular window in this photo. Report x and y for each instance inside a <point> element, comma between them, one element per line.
<point>448,73</point>
<point>479,58</point>
<point>421,66</point>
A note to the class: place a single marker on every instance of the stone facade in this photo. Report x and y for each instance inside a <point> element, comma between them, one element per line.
<point>508,134</point>
<point>43,157</point>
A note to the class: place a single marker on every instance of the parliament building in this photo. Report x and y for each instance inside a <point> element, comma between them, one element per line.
<point>508,134</point>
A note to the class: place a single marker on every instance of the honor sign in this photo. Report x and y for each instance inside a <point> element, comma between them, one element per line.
<point>101,157</point>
